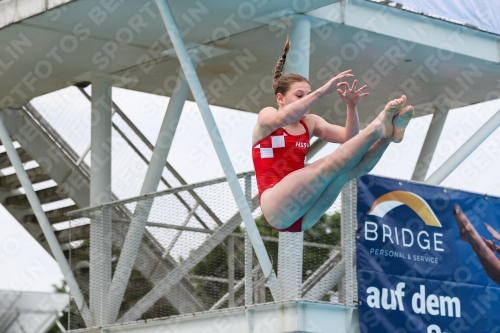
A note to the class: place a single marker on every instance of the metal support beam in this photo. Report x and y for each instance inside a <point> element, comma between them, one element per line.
<point>150,185</point>
<point>100,193</point>
<point>127,257</point>
<point>330,280</point>
<point>60,326</point>
<point>348,227</point>
<point>431,140</point>
<point>10,322</point>
<point>237,287</point>
<point>87,150</point>
<point>181,200</point>
<point>100,168</point>
<point>290,249</point>
<point>199,201</point>
<point>237,235</point>
<point>178,234</point>
<point>44,223</point>
<point>154,266</point>
<point>167,132</point>
<point>320,273</point>
<point>358,14</point>
<point>297,60</point>
<point>181,270</point>
<point>190,303</point>
<point>8,311</point>
<point>201,100</point>
<point>465,150</point>
<point>248,249</point>
<point>315,148</point>
<point>290,255</point>
<point>230,271</point>
<point>167,165</point>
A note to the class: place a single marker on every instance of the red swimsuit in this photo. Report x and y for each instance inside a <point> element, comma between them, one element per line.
<point>277,155</point>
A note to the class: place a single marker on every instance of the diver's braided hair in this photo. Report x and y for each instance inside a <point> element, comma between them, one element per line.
<point>281,62</point>
<point>283,82</point>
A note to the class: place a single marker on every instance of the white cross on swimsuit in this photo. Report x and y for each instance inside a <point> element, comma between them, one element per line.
<point>276,142</point>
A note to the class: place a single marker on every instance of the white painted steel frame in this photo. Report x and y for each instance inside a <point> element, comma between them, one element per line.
<point>431,140</point>
<point>100,141</point>
<point>60,326</point>
<point>465,150</point>
<point>100,193</point>
<point>315,148</point>
<point>298,57</point>
<point>330,280</point>
<point>192,305</point>
<point>348,226</point>
<point>188,187</point>
<point>290,260</point>
<point>150,185</point>
<point>210,231</point>
<point>167,132</point>
<point>87,150</point>
<point>248,248</point>
<point>410,27</point>
<point>290,249</point>
<point>328,264</point>
<point>9,324</point>
<point>290,316</point>
<point>173,277</point>
<point>44,223</point>
<point>167,165</point>
<point>181,270</point>
<point>15,11</point>
<point>183,224</point>
<point>230,273</point>
<point>201,100</point>
<point>240,284</point>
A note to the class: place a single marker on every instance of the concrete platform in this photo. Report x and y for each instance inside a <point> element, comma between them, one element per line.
<point>281,317</point>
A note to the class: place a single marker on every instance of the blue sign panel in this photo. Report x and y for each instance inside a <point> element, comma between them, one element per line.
<point>427,258</point>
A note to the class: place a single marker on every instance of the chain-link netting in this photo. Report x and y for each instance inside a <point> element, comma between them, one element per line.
<point>130,147</point>
<point>68,112</point>
<point>191,257</point>
<point>348,294</point>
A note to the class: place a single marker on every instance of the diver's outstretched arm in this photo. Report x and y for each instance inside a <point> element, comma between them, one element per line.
<point>483,249</point>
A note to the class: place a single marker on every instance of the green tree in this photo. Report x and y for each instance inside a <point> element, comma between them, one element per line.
<point>63,288</point>
<point>325,231</point>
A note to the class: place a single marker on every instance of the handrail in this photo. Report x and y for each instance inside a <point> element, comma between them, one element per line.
<point>82,212</point>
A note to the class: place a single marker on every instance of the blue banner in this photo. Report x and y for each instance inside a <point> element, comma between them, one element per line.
<point>427,258</point>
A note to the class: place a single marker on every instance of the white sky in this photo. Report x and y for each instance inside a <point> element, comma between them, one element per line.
<point>24,265</point>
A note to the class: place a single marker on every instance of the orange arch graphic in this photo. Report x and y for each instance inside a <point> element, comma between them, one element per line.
<point>393,199</point>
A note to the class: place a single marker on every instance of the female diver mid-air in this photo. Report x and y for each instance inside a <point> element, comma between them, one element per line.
<point>485,249</point>
<point>293,197</point>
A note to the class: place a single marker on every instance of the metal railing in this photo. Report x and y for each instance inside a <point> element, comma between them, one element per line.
<point>206,259</point>
<point>195,255</point>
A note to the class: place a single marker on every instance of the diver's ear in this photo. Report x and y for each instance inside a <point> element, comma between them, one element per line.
<point>279,99</point>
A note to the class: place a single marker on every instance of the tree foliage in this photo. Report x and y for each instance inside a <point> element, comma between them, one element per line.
<point>63,288</point>
<point>215,264</point>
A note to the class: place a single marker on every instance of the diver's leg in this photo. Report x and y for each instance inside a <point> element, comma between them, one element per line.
<point>329,195</point>
<point>294,195</point>
<point>367,163</point>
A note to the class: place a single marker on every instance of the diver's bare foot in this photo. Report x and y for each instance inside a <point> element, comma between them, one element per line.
<point>384,125</point>
<point>493,247</point>
<point>466,229</point>
<point>400,122</point>
<point>495,234</point>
